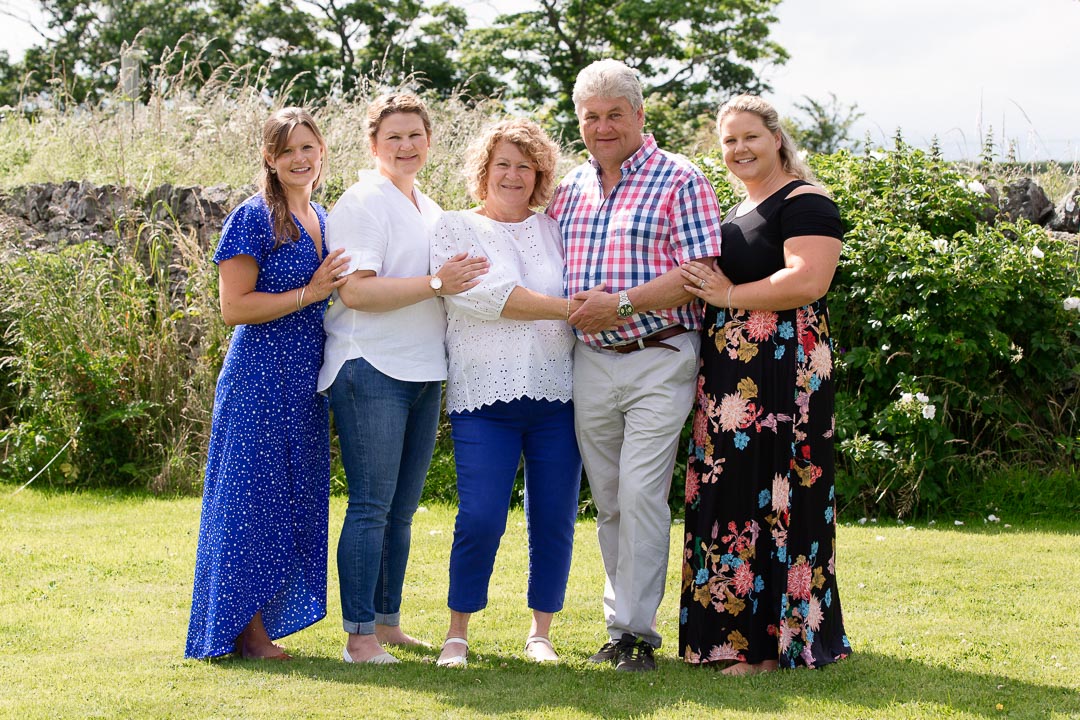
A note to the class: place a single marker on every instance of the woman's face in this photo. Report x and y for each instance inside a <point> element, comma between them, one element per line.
<point>299,162</point>
<point>511,178</point>
<point>401,145</point>
<point>751,152</point>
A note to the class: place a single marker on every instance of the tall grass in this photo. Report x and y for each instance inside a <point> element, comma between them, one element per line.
<point>210,135</point>
<point>114,354</point>
<point>111,354</point>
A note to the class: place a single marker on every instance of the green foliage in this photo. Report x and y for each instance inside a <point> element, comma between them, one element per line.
<point>955,353</point>
<point>957,361</point>
<point>112,362</point>
<point>692,51</point>
<point>306,51</point>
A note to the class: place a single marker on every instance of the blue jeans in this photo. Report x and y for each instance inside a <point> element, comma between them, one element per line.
<point>488,445</point>
<point>387,432</point>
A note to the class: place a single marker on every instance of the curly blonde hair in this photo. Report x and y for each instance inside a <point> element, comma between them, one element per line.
<point>531,140</point>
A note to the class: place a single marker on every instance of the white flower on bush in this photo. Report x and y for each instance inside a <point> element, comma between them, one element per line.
<point>918,402</point>
<point>940,245</point>
<point>1017,353</point>
<point>1072,303</point>
<point>1037,253</point>
<point>974,186</point>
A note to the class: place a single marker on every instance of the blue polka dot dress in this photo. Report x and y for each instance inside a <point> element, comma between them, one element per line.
<point>262,537</point>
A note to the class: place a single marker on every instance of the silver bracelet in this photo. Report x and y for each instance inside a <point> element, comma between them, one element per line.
<point>300,302</point>
<point>730,288</point>
<point>297,299</point>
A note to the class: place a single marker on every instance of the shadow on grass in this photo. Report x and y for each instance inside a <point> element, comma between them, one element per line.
<point>870,681</point>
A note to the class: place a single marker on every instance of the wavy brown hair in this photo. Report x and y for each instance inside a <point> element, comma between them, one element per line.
<point>534,144</point>
<point>276,131</point>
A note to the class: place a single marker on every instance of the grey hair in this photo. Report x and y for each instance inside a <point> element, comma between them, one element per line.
<point>608,79</point>
<point>789,152</point>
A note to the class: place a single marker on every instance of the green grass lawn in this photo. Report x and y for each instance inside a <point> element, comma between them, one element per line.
<point>946,621</point>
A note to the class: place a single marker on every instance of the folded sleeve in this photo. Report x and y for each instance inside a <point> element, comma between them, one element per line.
<point>356,225</point>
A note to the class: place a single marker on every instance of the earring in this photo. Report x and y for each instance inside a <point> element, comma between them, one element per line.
<point>273,171</point>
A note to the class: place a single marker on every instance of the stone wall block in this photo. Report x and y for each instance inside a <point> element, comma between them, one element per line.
<point>1024,199</point>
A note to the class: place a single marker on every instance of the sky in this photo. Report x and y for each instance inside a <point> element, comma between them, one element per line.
<point>951,69</point>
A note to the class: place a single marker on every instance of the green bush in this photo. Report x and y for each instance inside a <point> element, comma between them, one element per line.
<point>112,362</point>
<point>955,355</point>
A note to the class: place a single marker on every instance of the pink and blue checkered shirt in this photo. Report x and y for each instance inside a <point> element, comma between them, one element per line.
<point>663,212</point>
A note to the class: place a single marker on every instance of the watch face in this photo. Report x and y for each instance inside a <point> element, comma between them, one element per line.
<point>625,310</point>
<point>436,282</point>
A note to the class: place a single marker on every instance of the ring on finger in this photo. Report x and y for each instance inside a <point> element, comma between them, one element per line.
<point>701,283</point>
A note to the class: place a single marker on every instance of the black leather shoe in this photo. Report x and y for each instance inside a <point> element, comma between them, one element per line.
<point>635,655</point>
<point>608,653</point>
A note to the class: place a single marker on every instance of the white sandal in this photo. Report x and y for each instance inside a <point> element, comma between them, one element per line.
<point>535,656</point>
<point>460,660</point>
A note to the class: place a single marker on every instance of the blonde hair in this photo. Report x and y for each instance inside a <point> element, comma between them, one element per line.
<point>790,161</point>
<point>386,105</point>
<point>276,131</point>
<point>531,140</point>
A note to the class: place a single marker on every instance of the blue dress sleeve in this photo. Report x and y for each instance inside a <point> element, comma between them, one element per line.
<point>247,231</point>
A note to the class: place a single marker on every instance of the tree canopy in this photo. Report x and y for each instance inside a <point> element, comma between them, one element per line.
<point>689,53</point>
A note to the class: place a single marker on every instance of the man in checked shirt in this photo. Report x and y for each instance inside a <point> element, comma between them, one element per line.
<point>630,216</point>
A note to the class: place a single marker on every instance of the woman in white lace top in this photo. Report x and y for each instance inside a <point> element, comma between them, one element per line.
<point>509,388</point>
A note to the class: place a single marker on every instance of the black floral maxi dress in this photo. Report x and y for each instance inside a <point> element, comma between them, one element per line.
<point>758,579</point>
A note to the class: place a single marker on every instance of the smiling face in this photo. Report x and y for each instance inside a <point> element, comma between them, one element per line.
<point>511,179</point>
<point>751,152</point>
<point>400,146</point>
<point>299,161</point>
<point>611,129</point>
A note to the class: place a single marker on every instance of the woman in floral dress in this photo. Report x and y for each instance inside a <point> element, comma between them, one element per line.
<point>758,582</point>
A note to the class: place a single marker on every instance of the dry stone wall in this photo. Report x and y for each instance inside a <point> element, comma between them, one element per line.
<point>50,215</point>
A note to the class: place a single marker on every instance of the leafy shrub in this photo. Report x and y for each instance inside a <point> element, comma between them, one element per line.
<point>113,361</point>
<point>955,353</point>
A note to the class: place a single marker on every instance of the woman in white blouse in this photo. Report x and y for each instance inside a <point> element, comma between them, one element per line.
<point>383,367</point>
<point>509,389</point>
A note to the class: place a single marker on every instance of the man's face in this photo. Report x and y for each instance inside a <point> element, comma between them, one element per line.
<point>610,128</point>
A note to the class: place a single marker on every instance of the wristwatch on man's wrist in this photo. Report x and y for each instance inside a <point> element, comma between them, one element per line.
<point>626,308</point>
<point>436,285</point>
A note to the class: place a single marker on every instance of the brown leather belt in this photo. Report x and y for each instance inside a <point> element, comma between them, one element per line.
<point>654,340</point>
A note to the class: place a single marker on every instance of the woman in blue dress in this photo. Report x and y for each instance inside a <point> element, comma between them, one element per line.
<point>260,572</point>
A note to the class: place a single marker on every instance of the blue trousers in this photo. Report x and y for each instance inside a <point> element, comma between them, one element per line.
<point>387,432</point>
<point>488,445</point>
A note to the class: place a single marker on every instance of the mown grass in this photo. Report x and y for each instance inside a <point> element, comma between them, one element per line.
<point>946,621</point>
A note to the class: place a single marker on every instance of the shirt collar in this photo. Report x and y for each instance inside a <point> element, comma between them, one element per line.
<point>635,161</point>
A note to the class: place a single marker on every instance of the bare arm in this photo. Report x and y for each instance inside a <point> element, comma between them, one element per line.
<point>810,263</point>
<point>526,304</point>
<point>364,290</point>
<point>242,305</point>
